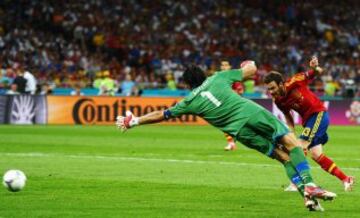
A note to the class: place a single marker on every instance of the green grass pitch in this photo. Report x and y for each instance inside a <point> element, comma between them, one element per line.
<point>159,171</point>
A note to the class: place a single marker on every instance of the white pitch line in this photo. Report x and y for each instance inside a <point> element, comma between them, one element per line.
<point>120,158</point>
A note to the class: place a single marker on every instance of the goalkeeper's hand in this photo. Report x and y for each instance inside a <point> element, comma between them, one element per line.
<point>244,63</point>
<point>127,122</point>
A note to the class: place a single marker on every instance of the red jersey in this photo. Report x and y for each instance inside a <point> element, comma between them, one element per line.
<point>299,98</point>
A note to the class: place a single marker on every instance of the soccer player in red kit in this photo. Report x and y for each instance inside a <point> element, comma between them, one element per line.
<point>294,94</point>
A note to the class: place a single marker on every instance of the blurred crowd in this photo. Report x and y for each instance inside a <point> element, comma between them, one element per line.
<point>122,47</point>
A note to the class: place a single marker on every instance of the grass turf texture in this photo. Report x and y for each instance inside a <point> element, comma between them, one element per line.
<point>159,171</point>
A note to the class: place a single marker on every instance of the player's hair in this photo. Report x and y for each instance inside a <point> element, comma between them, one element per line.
<point>274,76</point>
<point>194,76</point>
<point>225,60</point>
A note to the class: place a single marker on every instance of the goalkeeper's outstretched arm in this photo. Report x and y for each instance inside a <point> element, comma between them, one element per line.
<point>152,117</point>
<point>130,120</point>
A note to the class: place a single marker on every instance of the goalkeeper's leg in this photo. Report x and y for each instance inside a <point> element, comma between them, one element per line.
<point>299,162</point>
<point>311,203</point>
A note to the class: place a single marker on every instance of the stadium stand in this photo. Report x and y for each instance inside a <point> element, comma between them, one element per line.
<point>68,44</point>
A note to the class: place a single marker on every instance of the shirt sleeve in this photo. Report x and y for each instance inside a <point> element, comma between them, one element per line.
<point>232,75</point>
<point>179,109</point>
<point>296,80</point>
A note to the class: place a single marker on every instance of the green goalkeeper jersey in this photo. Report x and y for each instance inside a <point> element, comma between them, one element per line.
<point>218,104</point>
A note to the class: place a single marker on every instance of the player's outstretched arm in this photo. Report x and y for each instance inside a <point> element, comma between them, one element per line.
<point>249,69</point>
<point>153,117</point>
<point>290,121</point>
<point>130,120</point>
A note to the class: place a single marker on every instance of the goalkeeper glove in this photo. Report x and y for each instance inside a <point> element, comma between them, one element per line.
<point>127,122</point>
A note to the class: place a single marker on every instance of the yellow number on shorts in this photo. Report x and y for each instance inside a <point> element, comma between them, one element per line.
<point>306,131</point>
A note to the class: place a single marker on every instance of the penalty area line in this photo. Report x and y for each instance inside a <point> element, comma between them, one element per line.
<point>123,158</point>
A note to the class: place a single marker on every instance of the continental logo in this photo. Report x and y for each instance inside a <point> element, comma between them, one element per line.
<point>87,111</point>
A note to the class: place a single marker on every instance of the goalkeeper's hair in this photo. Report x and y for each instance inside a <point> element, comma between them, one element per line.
<point>274,76</point>
<point>194,76</point>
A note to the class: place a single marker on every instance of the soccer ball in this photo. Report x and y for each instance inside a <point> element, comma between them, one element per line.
<point>14,180</point>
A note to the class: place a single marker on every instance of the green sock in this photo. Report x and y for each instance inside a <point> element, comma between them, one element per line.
<point>294,177</point>
<point>301,165</point>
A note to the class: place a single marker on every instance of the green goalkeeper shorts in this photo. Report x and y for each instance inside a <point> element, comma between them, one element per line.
<point>262,132</point>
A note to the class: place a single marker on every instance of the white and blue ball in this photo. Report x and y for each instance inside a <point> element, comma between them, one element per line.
<point>14,180</point>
